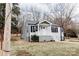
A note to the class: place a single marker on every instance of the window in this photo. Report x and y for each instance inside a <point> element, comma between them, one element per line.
<point>42,27</point>
<point>34,28</point>
<point>54,29</point>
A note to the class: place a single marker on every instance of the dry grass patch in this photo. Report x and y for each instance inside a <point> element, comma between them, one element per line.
<point>46,48</point>
<point>65,48</point>
<point>22,53</point>
<point>15,38</point>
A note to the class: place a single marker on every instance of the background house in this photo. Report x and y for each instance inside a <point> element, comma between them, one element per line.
<point>44,29</point>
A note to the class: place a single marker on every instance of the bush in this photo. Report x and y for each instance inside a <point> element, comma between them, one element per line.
<point>70,33</point>
<point>52,40</point>
<point>35,38</point>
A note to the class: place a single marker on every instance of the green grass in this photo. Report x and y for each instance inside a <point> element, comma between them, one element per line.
<point>46,48</point>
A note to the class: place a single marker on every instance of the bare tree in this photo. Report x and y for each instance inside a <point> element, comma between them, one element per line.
<point>36,13</point>
<point>62,14</point>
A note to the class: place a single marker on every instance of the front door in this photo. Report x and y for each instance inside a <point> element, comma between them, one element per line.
<point>44,30</point>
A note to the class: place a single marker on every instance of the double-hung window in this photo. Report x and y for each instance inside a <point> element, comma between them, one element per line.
<point>34,28</point>
<point>54,29</point>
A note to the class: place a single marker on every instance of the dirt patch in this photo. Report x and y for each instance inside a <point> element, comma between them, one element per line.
<point>22,53</point>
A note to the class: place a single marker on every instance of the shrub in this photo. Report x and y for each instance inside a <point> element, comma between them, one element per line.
<point>35,38</point>
<point>70,33</point>
<point>52,40</point>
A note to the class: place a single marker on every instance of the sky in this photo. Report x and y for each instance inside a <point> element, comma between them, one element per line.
<point>44,8</point>
<point>40,6</point>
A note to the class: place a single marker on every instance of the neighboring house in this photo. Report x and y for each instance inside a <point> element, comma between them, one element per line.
<point>46,30</point>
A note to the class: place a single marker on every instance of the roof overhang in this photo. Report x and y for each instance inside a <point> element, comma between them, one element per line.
<point>44,21</point>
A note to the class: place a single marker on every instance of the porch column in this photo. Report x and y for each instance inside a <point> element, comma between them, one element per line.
<point>59,31</point>
<point>30,32</point>
<point>50,27</point>
<point>38,28</point>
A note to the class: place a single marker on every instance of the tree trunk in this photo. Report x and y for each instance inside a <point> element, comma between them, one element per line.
<point>7,28</point>
<point>1,37</point>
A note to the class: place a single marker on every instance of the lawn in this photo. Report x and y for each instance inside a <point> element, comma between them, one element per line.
<point>45,48</point>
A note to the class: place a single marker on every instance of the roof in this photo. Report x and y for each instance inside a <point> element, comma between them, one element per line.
<point>31,22</point>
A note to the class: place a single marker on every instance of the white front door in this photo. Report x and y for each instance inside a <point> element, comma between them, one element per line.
<point>44,30</point>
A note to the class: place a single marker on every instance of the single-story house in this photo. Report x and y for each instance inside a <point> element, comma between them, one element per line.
<point>46,30</point>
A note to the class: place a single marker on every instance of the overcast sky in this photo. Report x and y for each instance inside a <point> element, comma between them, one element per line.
<point>44,8</point>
